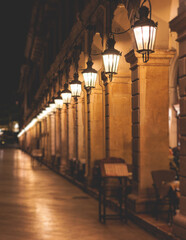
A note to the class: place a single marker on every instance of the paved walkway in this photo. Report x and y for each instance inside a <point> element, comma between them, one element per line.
<point>37,204</point>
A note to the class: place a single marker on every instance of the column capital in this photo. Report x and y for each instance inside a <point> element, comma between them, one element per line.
<point>131,58</point>
<point>160,57</point>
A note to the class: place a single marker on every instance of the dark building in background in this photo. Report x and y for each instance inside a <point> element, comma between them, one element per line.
<point>9,124</point>
<point>51,24</point>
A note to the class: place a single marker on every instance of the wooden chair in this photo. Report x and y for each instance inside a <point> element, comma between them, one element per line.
<point>161,180</point>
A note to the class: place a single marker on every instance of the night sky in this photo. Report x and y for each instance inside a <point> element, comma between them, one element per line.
<point>15,20</point>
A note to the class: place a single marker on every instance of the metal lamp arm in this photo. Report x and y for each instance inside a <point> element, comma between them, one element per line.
<point>149,6</point>
<point>117,33</point>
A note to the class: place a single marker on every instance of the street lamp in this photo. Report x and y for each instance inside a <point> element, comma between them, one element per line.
<point>89,75</point>
<point>75,86</point>
<point>66,94</point>
<point>59,104</point>
<point>52,125</point>
<point>48,109</point>
<point>52,106</point>
<point>47,112</point>
<point>58,101</point>
<point>145,32</point>
<point>111,57</point>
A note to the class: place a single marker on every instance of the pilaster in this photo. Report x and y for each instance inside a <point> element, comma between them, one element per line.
<point>120,117</point>
<point>150,103</point>
<point>58,128</point>
<point>64,137</point>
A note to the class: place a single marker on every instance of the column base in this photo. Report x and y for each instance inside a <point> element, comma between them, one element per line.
<point>53,158</point>
<point>179,226</point>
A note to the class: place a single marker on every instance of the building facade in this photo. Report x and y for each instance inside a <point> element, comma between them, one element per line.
<point>132,117</point>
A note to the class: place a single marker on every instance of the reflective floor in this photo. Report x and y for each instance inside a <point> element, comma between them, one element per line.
<point>37,204</point>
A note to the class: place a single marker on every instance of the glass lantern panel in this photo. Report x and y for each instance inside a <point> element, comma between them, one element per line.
<point>40,117</point>
<point>58,103</point>
<point>90,79</point>
<point>52,105</point>
<point>48,110</point>
<point>111,62</point>
<point>46,113</point>
<point>76,90</point>
<point>145,37</point>
<point>53,109</point>
<point>66,97</point>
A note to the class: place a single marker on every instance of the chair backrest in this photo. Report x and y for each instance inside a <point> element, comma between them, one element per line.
<point>162,176</point>
<point>160,180</point>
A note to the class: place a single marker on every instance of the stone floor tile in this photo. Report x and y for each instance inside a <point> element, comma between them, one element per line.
<point>37,204</point>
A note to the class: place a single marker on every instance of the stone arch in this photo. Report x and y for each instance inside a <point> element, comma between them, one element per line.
<point>96,49</point>
<point>124,42</point>
<point>162,12</point>
<point>97,18</point>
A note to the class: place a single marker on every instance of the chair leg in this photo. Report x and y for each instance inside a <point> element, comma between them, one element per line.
<point>170,212</point>
<point>172,205</point>
<point>100,202</point>
<point>104,207</point>
<point>157,209</point>
<point>126,213</point>
<point>120,205</point>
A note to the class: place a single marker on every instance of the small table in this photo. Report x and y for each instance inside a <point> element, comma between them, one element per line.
<point>114,176</point>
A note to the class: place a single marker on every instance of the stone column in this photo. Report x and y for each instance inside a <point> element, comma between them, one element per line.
<point>49,138</point>
<point>96,115</point>
<point>76,132</point>
<point>52,138</point>
<point>58,137</point>
<point>120,117</point>
<point>72,130</point>
<point>178,25</point>
<point>150,104</point>
<point>41,135</point>
<point>57,131</point>
<point>46,138</point>
<point>81,129</point>
<point>64,137</point>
